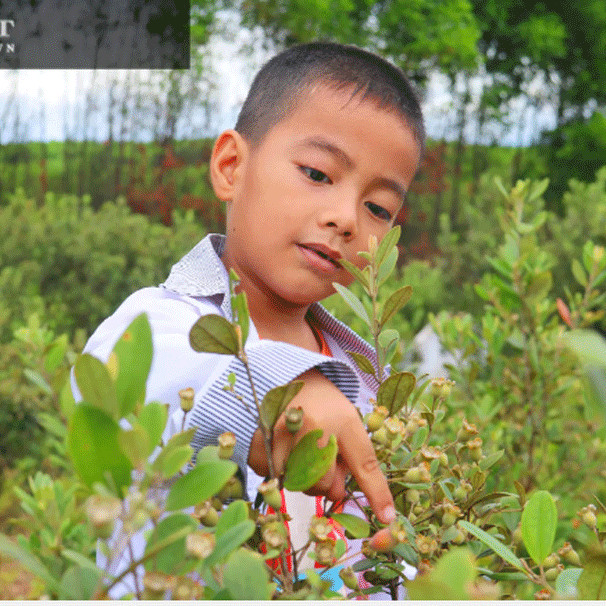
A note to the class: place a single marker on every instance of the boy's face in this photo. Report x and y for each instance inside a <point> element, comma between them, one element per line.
<point>322,180</point>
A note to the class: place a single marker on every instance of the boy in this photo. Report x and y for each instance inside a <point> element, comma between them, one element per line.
<point>323,152</point>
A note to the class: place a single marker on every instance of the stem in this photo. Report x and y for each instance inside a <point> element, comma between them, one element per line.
<point>179,534</point>
<point>267,437</point>
<point>265,432</point>
<point>132,557</point>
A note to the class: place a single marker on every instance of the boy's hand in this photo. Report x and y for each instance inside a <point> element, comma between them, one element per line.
<point>325,407</point>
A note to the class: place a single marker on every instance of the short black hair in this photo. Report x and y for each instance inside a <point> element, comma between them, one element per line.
<point>282,81</point>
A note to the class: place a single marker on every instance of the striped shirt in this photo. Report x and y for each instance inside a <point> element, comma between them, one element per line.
<point>198,285</point>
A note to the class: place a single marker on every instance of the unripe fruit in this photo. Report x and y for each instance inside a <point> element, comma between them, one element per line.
<point>271,493</point>
<point>589,518</point>
<point>467,431</point>
<point>227,443</point>
<point>551,574</point>
<point>274,535</point>
<point>294,419</point>
<point>393,427</point>
<point>413,495</point>
<point>349,578</point>
<point>459,493</point>
<point>441,387</point>
<point>187,398</point>
<point>206,513</point>
<point>376,418</point>
<point>102,512</point>
<point>319,529</point>
<point>200,544</point>
<point>155,585</point>
<point>551,560</point>
<point>380,436</point>
<point>325,552</point>
<point>231,490</point>
<point>413,475</point>
<point>569,555</point>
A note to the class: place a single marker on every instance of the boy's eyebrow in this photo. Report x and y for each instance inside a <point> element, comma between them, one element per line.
<point>327,146</point>
<point>331,148</point>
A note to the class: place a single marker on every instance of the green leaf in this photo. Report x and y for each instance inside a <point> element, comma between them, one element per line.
<point>55,354</point>
<point>354,303</point>
<point>52,425</point>
<point>419,437</point>
<point>246,578</point>
<point>387,266</point>
<point>357,527</point>
<point>133,352</point>
<point>176,453</point>
<point>79,583</point>
<point>134,443</point>
<point>579,273</point>
<point>235,513</point>
<point>171,461</point>
<point>388,337</point>
<point>307,463</point>
<point>239,306</point>
<point>153,418</point>
<point>450,578</point>
<point>229,541</point>
<point>183,438</point>
<point>539,524</point>
<point>567,582</point>
<point>96,385</point>
<point>67,403</point>
<point>170,559</point>
<point>30,561</point>
<point>355,271</point>
<point>276,400</point>
<point>589,345</point>
<point>214,334</point>
<point>389,241</point>
<point>92,442</point>
<point>364,364</point>
<point>199,484</point>
<point>77,558</point>
<point>395,391</point>
<point>364,564</point>
<point>592,582</point>
<point>208,453</point>
<point>35,378</point>
<point>539,286</point>
<point>491,459</point>
<point>501,550</point>
<point>394,304</point>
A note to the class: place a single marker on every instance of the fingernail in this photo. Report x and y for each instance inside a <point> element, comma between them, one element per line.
<point>389,514</point>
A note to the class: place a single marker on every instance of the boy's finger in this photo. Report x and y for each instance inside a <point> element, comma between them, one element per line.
<point>356,449</point>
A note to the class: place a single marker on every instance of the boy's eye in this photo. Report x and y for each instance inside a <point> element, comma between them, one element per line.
<point>378,211</point>
<point>315,175</point>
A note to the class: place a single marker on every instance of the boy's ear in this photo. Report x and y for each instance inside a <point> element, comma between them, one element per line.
<point>226,163</point>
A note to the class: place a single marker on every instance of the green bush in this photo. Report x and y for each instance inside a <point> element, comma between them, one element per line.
<point>76,265</point>
<point>461,534</point>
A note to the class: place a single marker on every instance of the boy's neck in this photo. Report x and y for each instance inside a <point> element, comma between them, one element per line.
<point>279,323</point>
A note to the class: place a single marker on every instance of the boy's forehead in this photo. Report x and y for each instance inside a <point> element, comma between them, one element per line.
<point>325,98</point>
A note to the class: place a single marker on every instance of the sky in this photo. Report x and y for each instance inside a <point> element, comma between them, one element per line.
<point>49,92</point>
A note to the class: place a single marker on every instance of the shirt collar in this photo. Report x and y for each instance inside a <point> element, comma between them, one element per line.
<point>201,273</point>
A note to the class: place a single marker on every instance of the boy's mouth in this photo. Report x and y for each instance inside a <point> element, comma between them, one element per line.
<point>324,252</point>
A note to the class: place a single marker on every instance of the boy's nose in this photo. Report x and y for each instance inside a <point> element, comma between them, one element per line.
<point>342,216</point>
